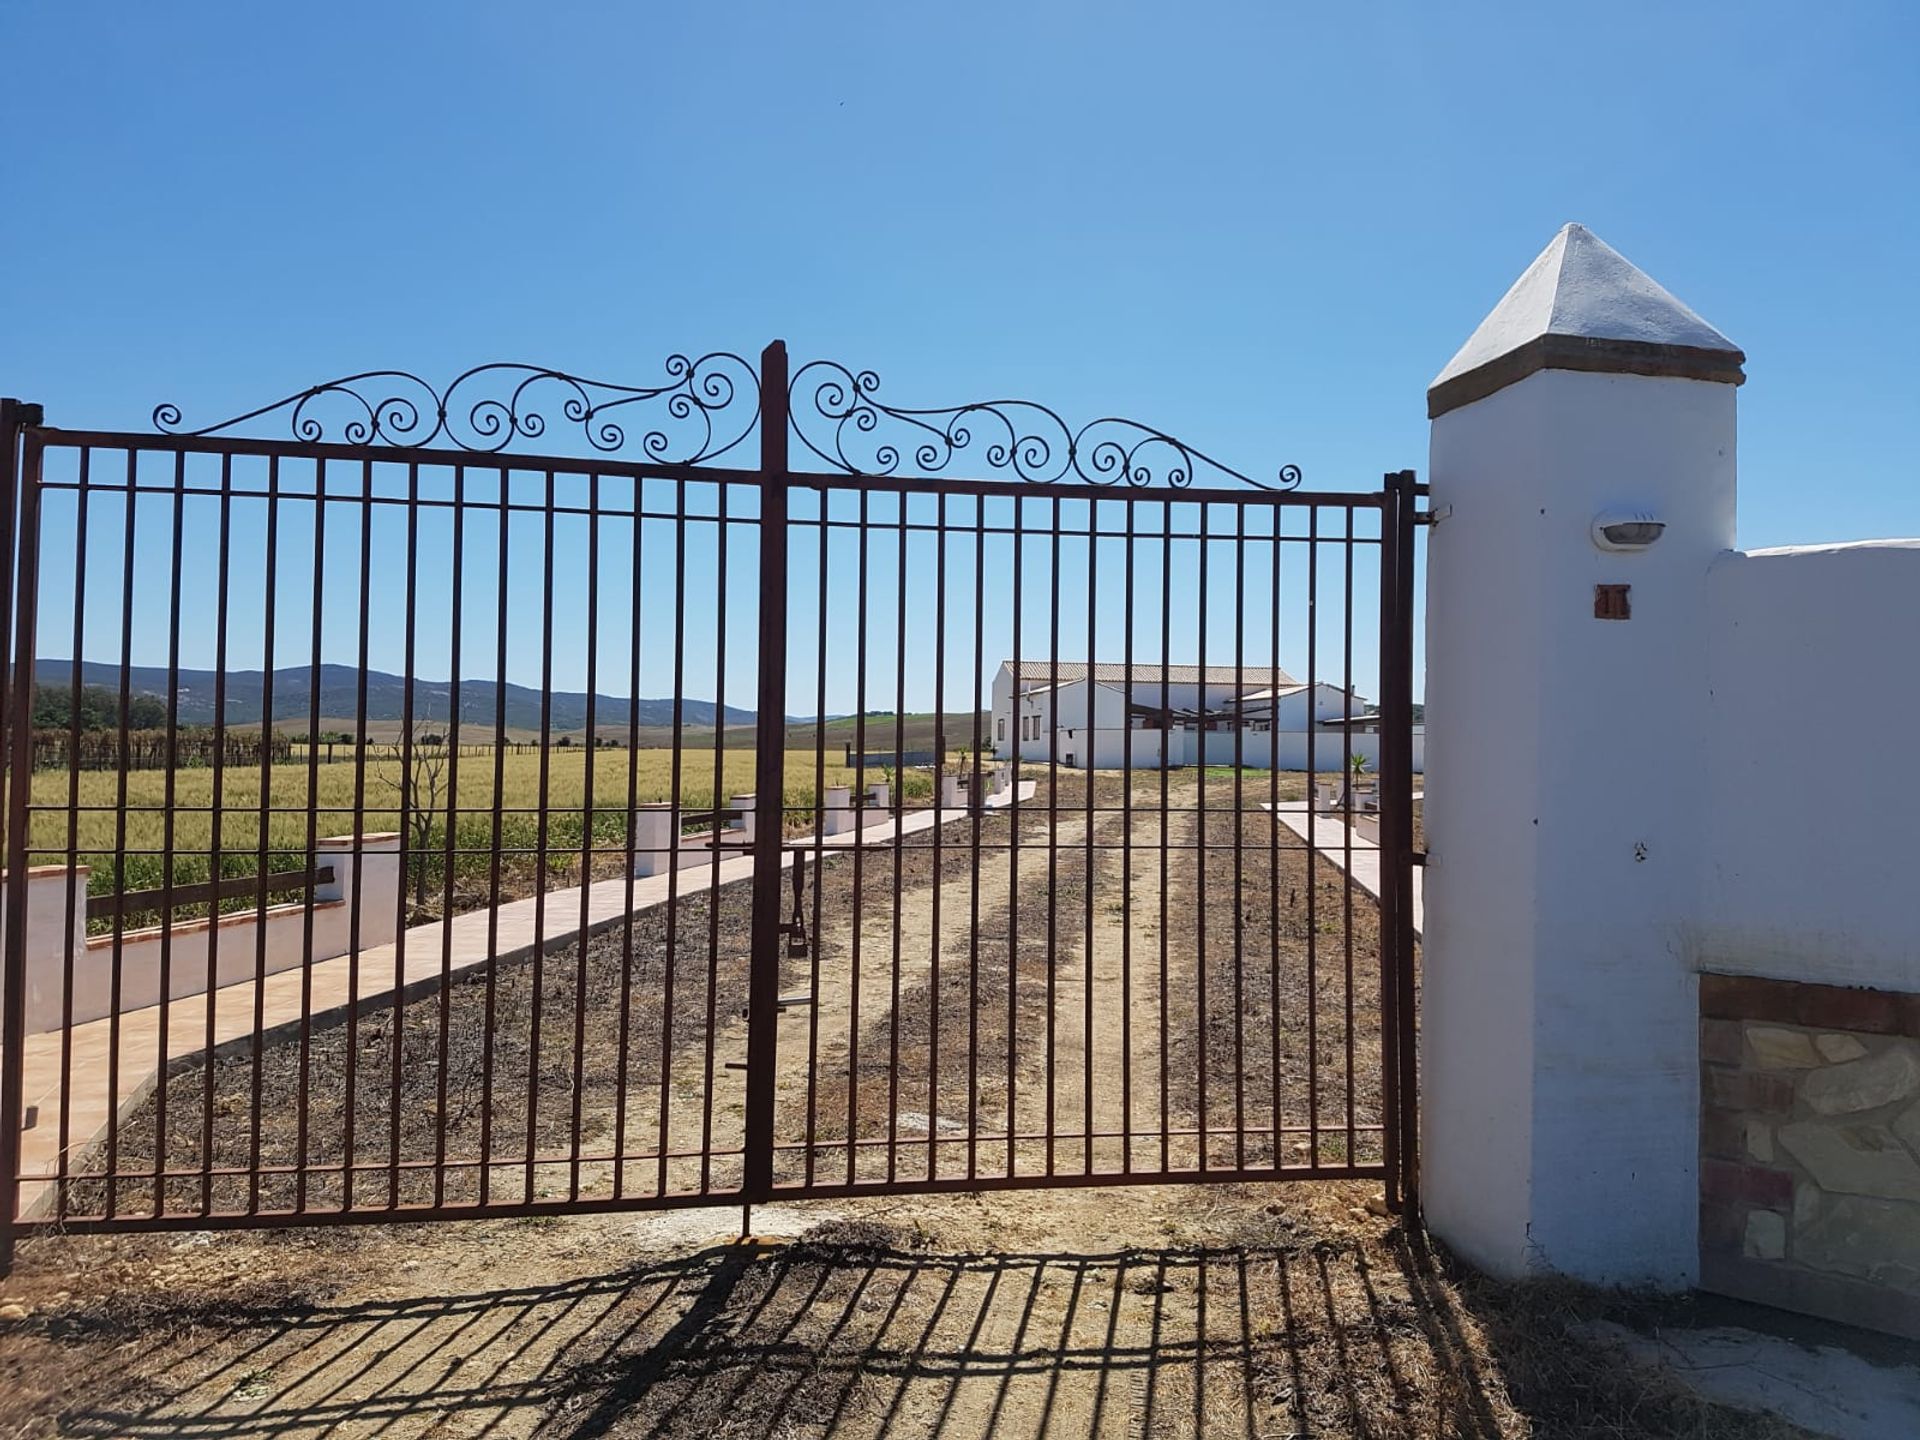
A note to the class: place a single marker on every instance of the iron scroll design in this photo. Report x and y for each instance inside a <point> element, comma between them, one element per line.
<point>836,415</point>
<point>707,407</point>
<point>710,406</point>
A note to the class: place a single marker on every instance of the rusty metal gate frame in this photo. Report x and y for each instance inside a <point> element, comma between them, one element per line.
<point>1103,460</point>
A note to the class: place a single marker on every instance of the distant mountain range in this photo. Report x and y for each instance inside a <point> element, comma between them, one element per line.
<point>386,698</point>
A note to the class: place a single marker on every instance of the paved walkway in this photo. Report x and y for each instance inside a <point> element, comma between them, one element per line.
<point>1328,835</point>
<point>423,956</point>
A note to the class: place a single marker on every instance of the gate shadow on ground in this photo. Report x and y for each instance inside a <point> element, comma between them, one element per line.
<point>851,1338</point>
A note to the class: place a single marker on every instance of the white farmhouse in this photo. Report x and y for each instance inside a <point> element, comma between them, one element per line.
<point>1163,716</point>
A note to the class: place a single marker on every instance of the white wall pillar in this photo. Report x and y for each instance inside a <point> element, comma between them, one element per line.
<point>48,919</point>
<point>836,810</point>
<point>654,828</point>
<point>376,890</point>
<point>1564,796</point>
<point>742,823</point>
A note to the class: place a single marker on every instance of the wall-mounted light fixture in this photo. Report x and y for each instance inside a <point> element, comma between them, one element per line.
<point>1626,529</point>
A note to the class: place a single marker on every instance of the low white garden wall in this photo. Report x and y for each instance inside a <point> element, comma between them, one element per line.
<point>238,945</point>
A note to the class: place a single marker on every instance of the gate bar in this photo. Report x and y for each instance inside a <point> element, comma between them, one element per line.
<point>19,516</point>
<point>769,781</point>
<point>1407,1082</point>
<point>1396,835</point>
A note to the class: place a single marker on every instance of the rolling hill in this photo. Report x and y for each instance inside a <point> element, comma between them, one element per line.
<point>246,692</point>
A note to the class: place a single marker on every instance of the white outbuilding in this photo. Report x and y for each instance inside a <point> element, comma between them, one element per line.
<point>1152,716</point>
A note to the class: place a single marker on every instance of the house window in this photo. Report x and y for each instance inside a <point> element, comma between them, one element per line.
<point>1003,729</point>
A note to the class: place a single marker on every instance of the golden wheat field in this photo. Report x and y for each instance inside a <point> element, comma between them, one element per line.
<point>88,823</point>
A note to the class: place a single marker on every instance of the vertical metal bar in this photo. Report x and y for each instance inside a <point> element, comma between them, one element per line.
<point>769,785</point>
<point>1126,854</point>
<point>407,858</point>
<point>674,824</point>
<point>1053,813</point>
<point>859,851</point>
<point>76,929</point>
<point>261,839</point>
<point>13,417</point>
<point>1389,843</point>
<point>1239,804</point>
<point>819,843</point>
<point>1200,858</point>
<point>898,797</point>
<point>1396,724</point>
<point>1166,759</point>
<point>720,797</point>
<point>1278,514</point>
<point>1090,878</point>
<point>120,839</point>
<point>976,800</point>
<point>1409,1088</point>
<point>586,835</point>
<point>450,841</point>
<point>490,1006</point>
<point>216,863</point>
<point>1013,831</point>
<point>313,803</point>
<point>1310,862</point>
<point>536,1007</point>
<point>939,826</point>
<point>633,805</point>
<point>1346,841</point>
<point>357,858</point>
<point>1408,1011</point>
<point>167,831</point>
<point>22,520</point>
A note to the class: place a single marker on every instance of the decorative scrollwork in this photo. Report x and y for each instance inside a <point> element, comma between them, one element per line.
<point>836,414</point>
<point>711,404</point>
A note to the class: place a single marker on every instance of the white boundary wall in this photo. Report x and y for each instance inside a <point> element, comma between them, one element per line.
<point>249,941</point>
<point>1813,775</point>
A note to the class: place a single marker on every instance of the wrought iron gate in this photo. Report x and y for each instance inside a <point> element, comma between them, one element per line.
<point>970,840</point>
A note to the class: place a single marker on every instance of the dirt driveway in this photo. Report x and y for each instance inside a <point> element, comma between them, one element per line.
<point>1172,1310</point>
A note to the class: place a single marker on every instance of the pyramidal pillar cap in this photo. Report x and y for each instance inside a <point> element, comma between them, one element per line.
<point>1582,305</point>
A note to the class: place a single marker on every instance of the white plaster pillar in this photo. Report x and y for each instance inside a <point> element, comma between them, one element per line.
<point>654,828</point>
<point>879,795</point>
<point>836,810</point>
<point>1566,782</point>
<point>742,824</point>
<point>377,891</point>
<point>48,917</point>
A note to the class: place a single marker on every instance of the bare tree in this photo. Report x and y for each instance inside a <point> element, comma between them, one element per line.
<point>421,791</point>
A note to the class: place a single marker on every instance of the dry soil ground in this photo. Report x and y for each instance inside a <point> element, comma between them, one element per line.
<point>1172,1310</point>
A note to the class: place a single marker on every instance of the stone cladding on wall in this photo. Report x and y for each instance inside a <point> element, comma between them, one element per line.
<point>1810,1148</point>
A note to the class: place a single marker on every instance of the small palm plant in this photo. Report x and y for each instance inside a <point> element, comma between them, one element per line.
<point>1356,772</point>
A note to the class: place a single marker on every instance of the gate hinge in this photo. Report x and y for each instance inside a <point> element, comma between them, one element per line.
<point>1420,858</point>
<point>1432,517</point>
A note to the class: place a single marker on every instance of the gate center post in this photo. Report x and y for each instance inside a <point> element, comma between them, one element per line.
<point>770,744</point>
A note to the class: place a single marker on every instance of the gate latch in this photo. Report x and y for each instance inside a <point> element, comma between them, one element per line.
<point>796,929</point>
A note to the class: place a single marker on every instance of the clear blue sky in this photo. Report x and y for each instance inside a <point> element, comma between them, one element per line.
<point>1263,227</point>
